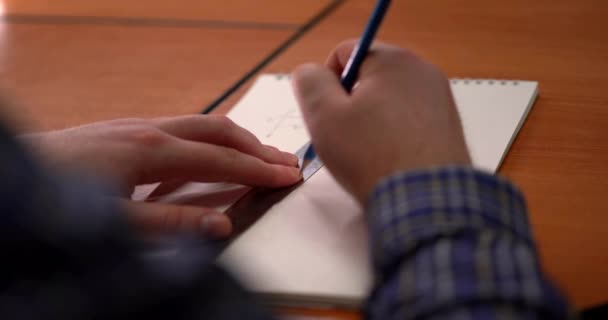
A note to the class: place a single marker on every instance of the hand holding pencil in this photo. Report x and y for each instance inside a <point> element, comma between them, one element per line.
<point>401,116</point>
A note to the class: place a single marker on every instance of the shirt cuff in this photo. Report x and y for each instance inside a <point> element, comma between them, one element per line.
<point>409,208</point>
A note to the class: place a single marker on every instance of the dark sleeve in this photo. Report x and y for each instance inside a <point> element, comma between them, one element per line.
<point>67,253</point>
<point>455,243</point>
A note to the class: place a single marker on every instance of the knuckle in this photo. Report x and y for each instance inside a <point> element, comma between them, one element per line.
<point>223,126</point>
<point>147,136</point>
<point>394,53</point>
<point>222,122</point>
<point>190,119</point>
<point>347,44</point>
<point>434,72</point>
<point>127,121</point>
<point>183,120</point>
<point>231,155</point>
<point>441,75</point>
<point>223,129</point>
<point>232,160</point>
<point>304,71</point>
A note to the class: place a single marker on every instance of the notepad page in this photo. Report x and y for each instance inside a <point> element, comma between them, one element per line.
<point>492,112</point>
<point>270,111</point>
<point>312,246</point>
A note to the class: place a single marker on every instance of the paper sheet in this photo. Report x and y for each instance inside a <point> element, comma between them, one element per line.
<point>312,245</point>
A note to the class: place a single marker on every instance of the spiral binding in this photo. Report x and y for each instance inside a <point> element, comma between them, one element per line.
<point>281,76</point>
<point>499,82</point>
<point>454,81</point>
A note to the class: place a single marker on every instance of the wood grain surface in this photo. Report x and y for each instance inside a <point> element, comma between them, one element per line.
<point>64,75</point>
<point>265,11</point>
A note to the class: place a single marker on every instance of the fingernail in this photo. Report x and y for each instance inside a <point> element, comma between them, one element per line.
<point>297,174</point>
<point>291,158</point>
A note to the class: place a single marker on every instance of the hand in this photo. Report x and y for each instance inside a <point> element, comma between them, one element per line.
<point>189,148</point>
<point>400,116</point>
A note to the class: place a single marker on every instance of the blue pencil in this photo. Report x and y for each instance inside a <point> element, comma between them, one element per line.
<point>351,71</point>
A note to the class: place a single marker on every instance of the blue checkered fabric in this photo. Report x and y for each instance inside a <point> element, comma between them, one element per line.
<point>455,243</point>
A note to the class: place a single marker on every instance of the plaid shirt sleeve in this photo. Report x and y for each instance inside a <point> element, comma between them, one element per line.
<point>455,243</point>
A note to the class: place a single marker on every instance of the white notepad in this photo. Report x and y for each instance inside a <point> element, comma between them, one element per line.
<point>312,247</point>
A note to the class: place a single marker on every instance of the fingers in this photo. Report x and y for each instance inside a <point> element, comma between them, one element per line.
<point>338,59</point>
<point>167,218</point>
<point>319,92</point>
<point>166,187</point>
<point>220,130</point>
<point>195,161</point>
<point>381,56</point>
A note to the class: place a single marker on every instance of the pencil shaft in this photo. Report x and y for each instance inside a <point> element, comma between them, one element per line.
<point>351,71</point>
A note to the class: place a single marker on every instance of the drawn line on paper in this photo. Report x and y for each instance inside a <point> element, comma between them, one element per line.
<point>290,119</point>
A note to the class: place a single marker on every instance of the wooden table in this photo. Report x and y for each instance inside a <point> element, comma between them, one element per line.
<point>71,63</point>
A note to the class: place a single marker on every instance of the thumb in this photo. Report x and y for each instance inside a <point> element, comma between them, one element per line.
<point>318,91</point>
<point>169,218</point>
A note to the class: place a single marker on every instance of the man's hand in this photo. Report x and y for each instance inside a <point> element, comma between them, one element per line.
<point>400,116</point>
<point>189,148</point>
